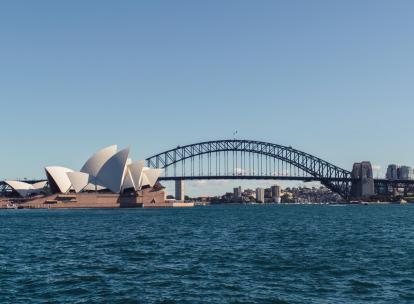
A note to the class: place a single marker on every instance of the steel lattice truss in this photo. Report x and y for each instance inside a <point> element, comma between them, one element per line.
<point>248,159</point>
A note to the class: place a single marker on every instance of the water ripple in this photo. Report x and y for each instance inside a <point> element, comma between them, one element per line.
<point>217,254</point>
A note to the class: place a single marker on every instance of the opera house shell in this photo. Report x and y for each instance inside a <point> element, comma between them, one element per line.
<point>107,171</point>
<point>24,189</point>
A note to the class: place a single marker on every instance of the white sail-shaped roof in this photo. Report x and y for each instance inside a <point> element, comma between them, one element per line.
<point>39,185</point>
<point>112,172</point>
<point>152,175</point>
<point>127,179</point>
<point>57,176</point>
<point>135,169</point>
<point>144,181</point>
<point>94,164</point>
<point>22,188</point>
<point>128,183</point>
<point>79,180</point>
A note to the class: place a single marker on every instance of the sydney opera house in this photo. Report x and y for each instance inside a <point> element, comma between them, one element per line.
<point>109,178</point>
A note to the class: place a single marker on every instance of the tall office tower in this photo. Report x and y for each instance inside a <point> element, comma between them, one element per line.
<point>405,173</point>
<point>392,172</point>
<point>276,193</point>
<point>260,195</point>
<point>237,192</point>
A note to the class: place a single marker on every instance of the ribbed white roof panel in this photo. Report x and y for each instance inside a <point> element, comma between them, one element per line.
<point>128,183</point>
<point>135,169</point>
<point>112,172</point>
<point>22,188</point>
<point>144,181</point>
<point>79,180</point>
<point>152,175</point>
<point>59,176</point>
<point>94,164</point>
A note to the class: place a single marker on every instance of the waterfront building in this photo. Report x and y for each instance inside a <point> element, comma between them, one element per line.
<point>237,192</point>
<point>107,170</point>
<point>260,195</point>
<point>108,179</point>
<point>276,193</point>
<point>249,193</point>
<point>268,194</point>
<point>395,172</point>
<point>392,172</point>
<point>405,173</point>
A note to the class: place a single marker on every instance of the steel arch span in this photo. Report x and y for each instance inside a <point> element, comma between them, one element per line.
<point>249,159</point>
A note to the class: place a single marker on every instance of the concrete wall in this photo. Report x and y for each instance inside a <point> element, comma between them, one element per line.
<point>98,200</point>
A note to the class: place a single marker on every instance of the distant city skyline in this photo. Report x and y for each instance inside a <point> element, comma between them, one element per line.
<point>333,79</point>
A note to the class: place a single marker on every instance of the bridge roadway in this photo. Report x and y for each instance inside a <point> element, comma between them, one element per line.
<point>288,178</point>
<point>402,183</point>
<point>253,177</point>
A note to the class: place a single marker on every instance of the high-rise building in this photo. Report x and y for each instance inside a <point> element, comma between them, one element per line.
<point>405,173</point>
<point>276,193</point>
<point>268,193</point>
<point>260,195</point>
<point>237,192</point>
<point>392,172</point>
<point>395,172</point>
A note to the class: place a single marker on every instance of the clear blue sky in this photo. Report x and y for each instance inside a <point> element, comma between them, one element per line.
<point>332,78</point>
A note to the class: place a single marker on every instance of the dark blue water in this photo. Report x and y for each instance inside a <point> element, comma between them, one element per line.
<point>216,254</point>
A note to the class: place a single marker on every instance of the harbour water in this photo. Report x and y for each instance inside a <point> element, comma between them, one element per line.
<point>212,254</point>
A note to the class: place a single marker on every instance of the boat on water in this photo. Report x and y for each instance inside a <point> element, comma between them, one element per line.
<point>400,202</point>
<point>11,205</point>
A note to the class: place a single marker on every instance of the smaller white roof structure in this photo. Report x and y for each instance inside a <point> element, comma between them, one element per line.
<point>144,181</point>
<point>79,180</point>
<point>83,181</point>
<point>58,176</point>
<point>151,175</point>
<point>22,188</point>
<point>137,175</point>
<point>128,182</point>
<point>135,172</point>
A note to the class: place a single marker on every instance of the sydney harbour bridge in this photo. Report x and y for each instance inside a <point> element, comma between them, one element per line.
<point>255,160</point>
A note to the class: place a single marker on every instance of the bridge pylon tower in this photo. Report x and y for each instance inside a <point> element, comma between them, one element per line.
<point>179,190</point>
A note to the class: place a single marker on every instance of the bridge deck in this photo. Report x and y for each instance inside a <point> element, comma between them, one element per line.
<point>253,177</point>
